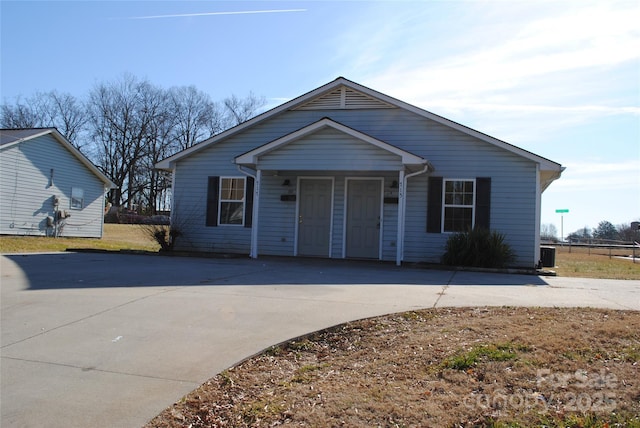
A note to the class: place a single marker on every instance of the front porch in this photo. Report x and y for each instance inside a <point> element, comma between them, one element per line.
<point>329,191</point>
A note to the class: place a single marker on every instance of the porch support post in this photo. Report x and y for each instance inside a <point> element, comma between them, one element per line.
<point>401,207</point>
<point>256,216</point>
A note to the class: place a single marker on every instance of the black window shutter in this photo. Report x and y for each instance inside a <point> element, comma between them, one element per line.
<point>434,205</point>
<point>213,185</point>
<point>248,202</point>
<point>483,202</point>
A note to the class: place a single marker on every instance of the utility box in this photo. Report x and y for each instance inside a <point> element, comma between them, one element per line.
<point>548,256</point>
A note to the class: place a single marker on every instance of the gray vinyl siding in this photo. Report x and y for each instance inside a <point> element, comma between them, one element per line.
<point>453,154</point>
<point>188,212</point>
<point>278,218</point>
<point>27,191</point>
<point>317,153</point>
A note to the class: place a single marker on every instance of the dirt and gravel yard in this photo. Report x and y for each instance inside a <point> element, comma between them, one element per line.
<point>457,367</point>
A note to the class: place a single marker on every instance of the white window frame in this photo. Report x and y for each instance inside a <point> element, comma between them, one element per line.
<point>221,200</point>
<point>77,194</point>
<point>445,205</point>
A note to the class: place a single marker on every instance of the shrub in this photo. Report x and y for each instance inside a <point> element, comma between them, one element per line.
<point>478,248</point>
<point>163,234</point>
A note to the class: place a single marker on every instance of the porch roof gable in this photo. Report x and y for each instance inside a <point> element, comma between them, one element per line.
<point>251,157</point>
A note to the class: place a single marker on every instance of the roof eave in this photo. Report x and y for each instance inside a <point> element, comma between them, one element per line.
<point>551,176</point>
<point>167,163</point>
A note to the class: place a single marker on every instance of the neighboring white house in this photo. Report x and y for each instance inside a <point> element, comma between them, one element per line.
<point>47,187</point>
<point>344,171</point>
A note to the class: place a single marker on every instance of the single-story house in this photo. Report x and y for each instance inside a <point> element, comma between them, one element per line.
<point>345,171</point>
<point>47,187</point>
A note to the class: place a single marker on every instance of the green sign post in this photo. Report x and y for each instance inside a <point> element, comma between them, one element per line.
<point>561,212</point>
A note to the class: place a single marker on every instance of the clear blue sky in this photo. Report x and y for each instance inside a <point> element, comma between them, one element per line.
<point>558,78</point>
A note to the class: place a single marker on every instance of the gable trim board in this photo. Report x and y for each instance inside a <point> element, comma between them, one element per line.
<point>347,133</point>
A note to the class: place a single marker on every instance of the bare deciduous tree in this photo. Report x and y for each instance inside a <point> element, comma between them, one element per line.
<point>195,116</point>
<point>629,232</point>
<point>127,125</point>
<point>121,116</point>
<point>548,231</point>
<point>48,109</point>
<point>239,110</point>
<point>19,115</point>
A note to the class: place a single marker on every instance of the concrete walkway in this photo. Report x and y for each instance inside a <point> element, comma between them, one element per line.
<point>110,340</point>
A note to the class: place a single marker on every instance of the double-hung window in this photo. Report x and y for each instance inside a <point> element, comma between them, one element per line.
<point>232,200</point>
<point>459,205</point>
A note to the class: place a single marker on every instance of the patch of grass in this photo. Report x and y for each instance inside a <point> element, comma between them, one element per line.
<point>225,378</point>
<point>273,351</point>
<point>305,374</point>
<point>590,420</point>
<point>414,316</point>
<point>301,345</point>
<point>631,354</point>
<point>257,411</point>
<point>470,358</point>
<point>579,263</point>
<point>115,237</point>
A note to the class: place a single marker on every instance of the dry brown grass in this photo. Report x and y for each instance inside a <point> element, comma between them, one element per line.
<point>116,237</point>
<point>597,263</point>
<point>487,367</point>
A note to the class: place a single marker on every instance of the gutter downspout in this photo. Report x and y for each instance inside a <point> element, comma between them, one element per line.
<point>402,210</point>
<point>256,202</point>
<point>536,229</point>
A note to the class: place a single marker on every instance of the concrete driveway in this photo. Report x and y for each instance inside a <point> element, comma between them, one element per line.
<point>106,340</point>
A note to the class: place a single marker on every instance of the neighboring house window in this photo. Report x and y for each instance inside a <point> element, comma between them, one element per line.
<point>458,205</point>
<point>231,201</point>
<point>77,198</point>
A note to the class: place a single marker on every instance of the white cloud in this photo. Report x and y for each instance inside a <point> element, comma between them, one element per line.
<point>510,70</point>
<point>532,108</point>
<point>593,176</point>
<point>242,12</point>
<point>520,71</point>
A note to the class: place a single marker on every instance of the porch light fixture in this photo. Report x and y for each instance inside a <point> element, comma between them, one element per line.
<point>286,182</point>
<point>394,184</point>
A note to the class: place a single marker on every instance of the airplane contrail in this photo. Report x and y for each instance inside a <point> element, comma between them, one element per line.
<point>242,12</point>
